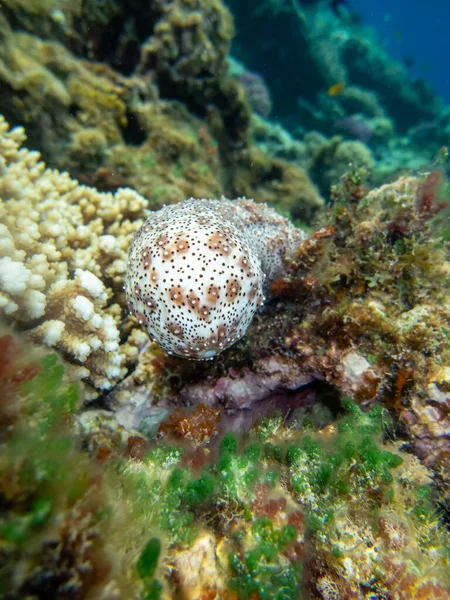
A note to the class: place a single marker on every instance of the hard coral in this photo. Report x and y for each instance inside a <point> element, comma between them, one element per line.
<point>188,48</point>
<point>280,183</point>
<point>53,228</point>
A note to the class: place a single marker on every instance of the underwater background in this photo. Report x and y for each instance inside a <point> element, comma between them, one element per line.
<point>247,395</point>
<point>414,33</point>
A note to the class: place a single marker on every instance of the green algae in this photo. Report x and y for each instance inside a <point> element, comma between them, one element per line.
<point>146,567</point>
<point>264,494</point>
<point>41,451</point>
<point>329,479</point>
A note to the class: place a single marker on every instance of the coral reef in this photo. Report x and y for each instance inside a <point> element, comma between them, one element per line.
<point>365,308</point>
<point>330,317</point>
<point>102,127</point>
<point>110,129</point>
<point>178,158</point>
<point>277,142</point>
<point>94,118</point>
<point>331,158</point>
<point>277,182</point>
<point>298,510</point>
<point>323,49</point>
<point>196,271</point>
<point>309,457</point>
<point>67,245</point>
<point>340,80</point>
<point>382,270</point>
<point>188,48</point>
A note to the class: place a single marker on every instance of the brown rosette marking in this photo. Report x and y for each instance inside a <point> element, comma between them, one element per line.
<point>213,294</point>
<point>176,295</point>
<point>219,243</point>
<point>233,289</point>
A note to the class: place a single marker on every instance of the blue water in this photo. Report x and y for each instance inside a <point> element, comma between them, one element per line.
<point>418,31</point>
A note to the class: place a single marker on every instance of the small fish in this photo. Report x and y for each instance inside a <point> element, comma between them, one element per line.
<point>336,89</point>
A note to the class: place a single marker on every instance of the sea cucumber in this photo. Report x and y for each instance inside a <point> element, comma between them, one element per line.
<point>198,271</point>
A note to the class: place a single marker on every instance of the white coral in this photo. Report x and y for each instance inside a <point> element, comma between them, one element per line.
<point>14,276</point>
<point>59,240</point>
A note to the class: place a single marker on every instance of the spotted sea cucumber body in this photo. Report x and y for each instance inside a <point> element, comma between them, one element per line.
<point>195,275</point>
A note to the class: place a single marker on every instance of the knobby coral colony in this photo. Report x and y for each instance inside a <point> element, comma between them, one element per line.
<point>63,252</point>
